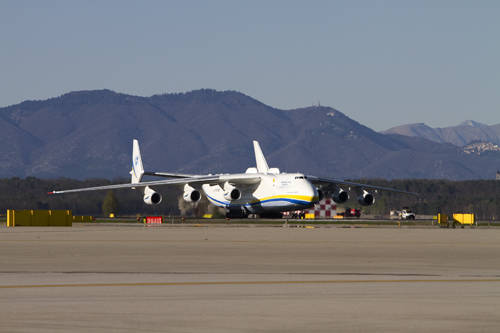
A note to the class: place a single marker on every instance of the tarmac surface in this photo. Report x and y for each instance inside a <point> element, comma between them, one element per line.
<point>132,278</point>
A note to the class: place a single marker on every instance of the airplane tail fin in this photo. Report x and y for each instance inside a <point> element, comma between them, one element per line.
<point>260,160</point>
<point>137,168</point>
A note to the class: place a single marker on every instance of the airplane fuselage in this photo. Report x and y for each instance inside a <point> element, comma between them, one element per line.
<point>274,193</point>
<point>260,190</point>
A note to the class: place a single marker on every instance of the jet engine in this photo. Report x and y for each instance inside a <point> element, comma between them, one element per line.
<point>151,197</point>
<point>366,199</point>
<point>231,192</point>
<point>321,195</point>
<point>191,194</point>
<point>340,196</point>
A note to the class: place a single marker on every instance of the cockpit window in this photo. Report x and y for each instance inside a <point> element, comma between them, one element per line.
<point>300,177</point>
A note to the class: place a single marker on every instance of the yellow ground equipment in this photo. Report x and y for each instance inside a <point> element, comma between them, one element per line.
<point>460,219</point>
<point>38,218</point>
<point>464,219</point>
<point>442,220</point>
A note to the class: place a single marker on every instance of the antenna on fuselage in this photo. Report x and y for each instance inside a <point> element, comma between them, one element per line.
<point>260,160</point>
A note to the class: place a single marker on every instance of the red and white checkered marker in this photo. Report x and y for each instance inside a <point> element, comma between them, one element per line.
<point>326,209</point>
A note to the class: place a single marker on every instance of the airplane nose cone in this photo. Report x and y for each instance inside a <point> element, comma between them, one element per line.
<point>315,195</point>
<point>313,192</point>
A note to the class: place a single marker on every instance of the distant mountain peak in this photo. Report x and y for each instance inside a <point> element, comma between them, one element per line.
<point>206,92</point>
<point>421,124</point>
<point>472,123</point>
<point>89,92</point>
<point>465,133</point>
<point>88,134</point>
<point>319,108</point>
<point>211,96</point>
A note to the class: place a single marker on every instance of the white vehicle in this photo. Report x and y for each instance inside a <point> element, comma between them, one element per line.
<point>407,214</point>
<point>404,214</point>
<point>260,190</point>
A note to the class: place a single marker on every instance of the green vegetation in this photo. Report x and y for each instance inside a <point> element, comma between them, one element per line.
<point>481,197</point>
<point>109,204</point>
<point>31,193</point>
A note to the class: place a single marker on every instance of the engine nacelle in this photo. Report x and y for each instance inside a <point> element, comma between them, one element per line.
<point>321,195</point>
<point>151,197</point>
<point>231,192</point>
<point>340,196</point>
<point>191,194</point>
<point>366,199</point>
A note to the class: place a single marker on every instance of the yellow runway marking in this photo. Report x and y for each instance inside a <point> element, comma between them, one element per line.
<point>222,283</point>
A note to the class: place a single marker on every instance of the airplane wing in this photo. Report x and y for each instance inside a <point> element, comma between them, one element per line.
<point>209,179</point>
<point>332,182</point>
<point>169,174</point>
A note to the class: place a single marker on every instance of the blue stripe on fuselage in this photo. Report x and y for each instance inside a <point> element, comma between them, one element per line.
<point>228,204</point>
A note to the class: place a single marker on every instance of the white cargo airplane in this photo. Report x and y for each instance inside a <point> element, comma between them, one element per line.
<point>260,190</point>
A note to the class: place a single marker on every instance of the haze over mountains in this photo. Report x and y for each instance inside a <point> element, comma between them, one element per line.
<point>463,134</point>
<point>89,134</point>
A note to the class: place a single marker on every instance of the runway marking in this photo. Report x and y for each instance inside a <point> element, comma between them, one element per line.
<point>222,283</point>
<point>263,241</point>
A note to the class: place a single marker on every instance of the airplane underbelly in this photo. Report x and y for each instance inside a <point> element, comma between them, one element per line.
<point>284,203</point>
<point>256,204</point>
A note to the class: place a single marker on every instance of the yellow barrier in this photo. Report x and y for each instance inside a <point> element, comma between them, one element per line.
<point>39,217</point>
<point>464,218</point>
<point>309,216</point>
<point>442,219</point>
<point>22,217</point>
<point>30,217</point>
<point>84,218</point>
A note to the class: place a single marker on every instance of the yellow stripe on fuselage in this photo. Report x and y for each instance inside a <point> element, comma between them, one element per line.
<point>305,198</point>
<point>288,196</point>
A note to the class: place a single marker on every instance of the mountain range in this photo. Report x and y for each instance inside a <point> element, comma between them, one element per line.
<point>461,135</point>
<point>88,134</point>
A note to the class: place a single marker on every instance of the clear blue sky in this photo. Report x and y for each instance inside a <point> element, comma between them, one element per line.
<point>383,63</point>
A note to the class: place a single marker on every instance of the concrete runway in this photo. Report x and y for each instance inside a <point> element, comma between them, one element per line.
<point>245,279</point>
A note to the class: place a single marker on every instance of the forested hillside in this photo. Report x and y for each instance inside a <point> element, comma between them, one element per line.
<point>481,197</point>
<point>88,134</point>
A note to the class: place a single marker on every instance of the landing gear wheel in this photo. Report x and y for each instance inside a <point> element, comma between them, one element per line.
<point>271,216</point>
